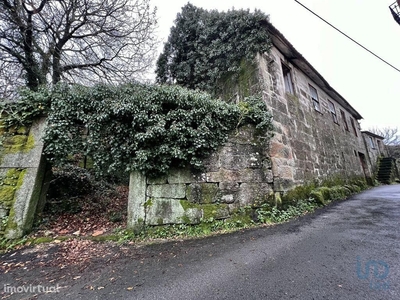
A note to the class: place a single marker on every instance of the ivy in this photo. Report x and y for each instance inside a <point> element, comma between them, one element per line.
<point>148,128</point>
<point>206,47</point>
<point>30,105</point>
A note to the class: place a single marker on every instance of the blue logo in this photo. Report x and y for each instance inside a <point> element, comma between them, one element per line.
<point>376,272</point>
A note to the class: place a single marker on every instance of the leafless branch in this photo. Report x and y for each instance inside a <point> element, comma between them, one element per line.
<point>83,41</point>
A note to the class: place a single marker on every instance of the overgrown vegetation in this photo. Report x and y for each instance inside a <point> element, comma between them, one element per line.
<point>296,203</point>
<point>206,48</point>
<point>333,188</point>
<point>143,127</point>
<point>133,126</point>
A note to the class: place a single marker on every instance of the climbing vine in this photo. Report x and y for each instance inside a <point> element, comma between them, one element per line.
<point>205,48</point>
<point>148,128</point>
<point>30,105</point>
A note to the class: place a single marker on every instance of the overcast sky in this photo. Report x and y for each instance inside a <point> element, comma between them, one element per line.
<point>369,85</point>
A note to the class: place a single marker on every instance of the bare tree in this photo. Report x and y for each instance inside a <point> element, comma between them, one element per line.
<point>391,137</point>
<point>85,41</point>
<point>8,80</point>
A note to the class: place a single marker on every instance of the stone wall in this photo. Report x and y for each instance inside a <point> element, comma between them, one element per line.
<point>308,144</point>
<point>237,175</point>
<point>21,176</point>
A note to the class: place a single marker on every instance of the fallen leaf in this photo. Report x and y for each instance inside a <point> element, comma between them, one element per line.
<point>98,232</point>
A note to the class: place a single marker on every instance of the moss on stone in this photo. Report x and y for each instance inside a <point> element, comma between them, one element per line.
<point>242,84</point>
<point>22,130</point>
<point>11,224</point>
<point>12,142</point>
<point>149,203</point>
<point>186,220</point>
<point>209,211</point>
<point>30,143</point>
<point>15,143</point>
<point>187,205</point>
<point>214,211</point>
<point>203,193</point>
<point>9,185</point>
<point>20,179</point>
<point>15,177</point>
<point>7,195</point>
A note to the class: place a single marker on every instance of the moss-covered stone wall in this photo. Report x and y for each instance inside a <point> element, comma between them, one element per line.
<point>21,170</point>
<point>237,175</point>
<point>309,143</point>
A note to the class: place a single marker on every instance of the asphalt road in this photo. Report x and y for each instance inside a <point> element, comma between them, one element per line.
<point>348,250</point>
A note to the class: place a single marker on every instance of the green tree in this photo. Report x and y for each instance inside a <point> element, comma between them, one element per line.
<point>205,47</point>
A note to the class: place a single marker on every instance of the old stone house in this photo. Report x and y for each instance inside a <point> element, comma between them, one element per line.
<point>317,131</point>
<point>317,136</point>
<point>374,146</point>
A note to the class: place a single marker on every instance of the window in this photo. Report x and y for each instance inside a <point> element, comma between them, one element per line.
<point>371,142</point>
<point>333,111</point>
<point>314,97</point>
<point>354,126</point>
<point>287,78</point>
<point>346,126</point>
<point>379,145</point>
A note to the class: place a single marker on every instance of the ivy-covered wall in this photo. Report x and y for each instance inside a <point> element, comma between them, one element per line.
<point>237,175</point>
<point>21,174</point>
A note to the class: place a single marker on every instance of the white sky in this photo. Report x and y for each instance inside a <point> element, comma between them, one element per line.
<point>369,85</point>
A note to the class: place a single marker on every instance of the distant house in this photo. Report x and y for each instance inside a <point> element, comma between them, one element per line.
<point>374,145</point>
<point>317,131</point>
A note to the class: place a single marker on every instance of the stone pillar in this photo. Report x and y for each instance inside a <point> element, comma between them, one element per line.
<point>136,201</point>
<point>22,170</point>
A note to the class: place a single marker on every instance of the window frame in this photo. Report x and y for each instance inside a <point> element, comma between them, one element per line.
<point>371,142</point>
<point>352,121</point>
<point>314,98</point>
<point>346,125</point>
<point>332,110</point>
<point>287,78</point>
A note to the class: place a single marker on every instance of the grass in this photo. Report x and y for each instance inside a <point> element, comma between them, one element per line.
<point>264,215</point>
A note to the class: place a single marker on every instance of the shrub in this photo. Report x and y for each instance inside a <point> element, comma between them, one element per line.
<point>140,127</point>
<point>325,191</point>
<point>70,181</point>
<point>318,197</point>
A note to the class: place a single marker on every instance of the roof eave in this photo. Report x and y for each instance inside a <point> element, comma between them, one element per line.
<point>284,46</point>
